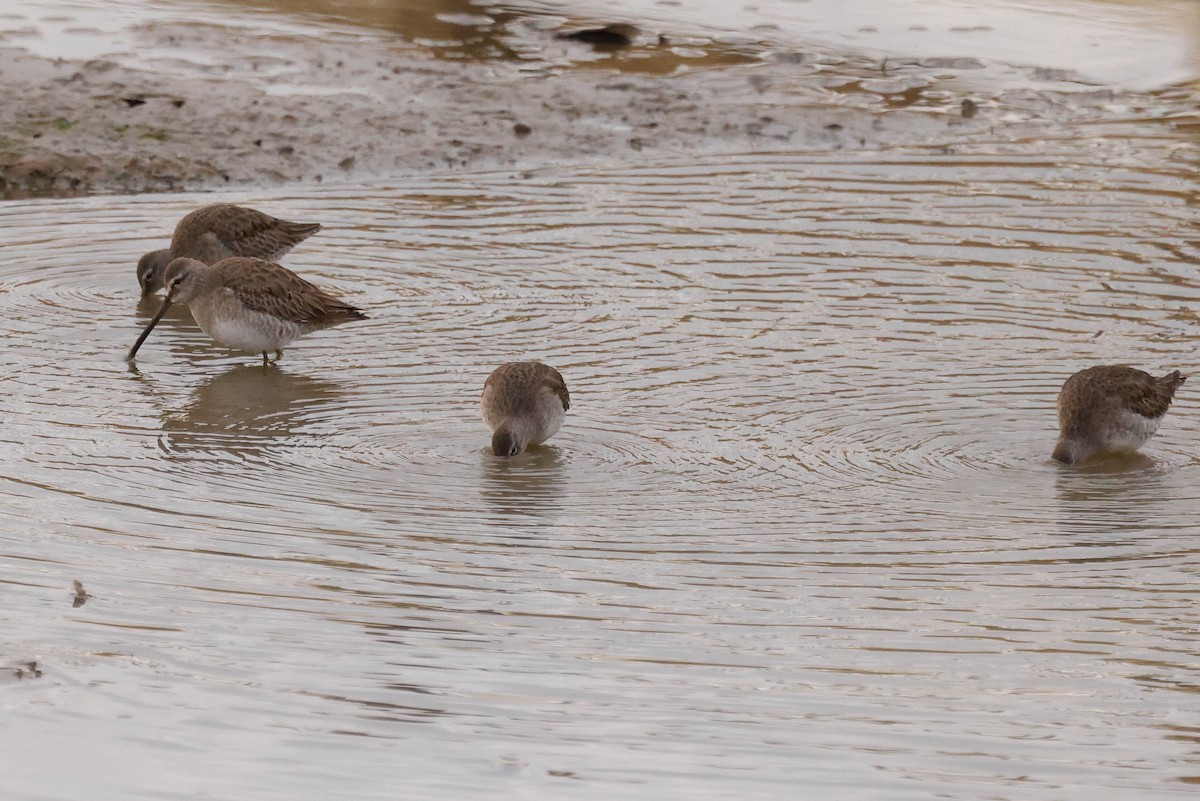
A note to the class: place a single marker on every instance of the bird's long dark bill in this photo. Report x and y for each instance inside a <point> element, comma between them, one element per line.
<point>145,333</point>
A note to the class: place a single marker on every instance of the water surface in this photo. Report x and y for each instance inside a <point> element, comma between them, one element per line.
<point>800,530</point>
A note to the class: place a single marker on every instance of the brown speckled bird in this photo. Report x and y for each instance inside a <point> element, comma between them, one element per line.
<point>1110,409</point>
<point>524,403</point>
<point>249,304</point>
<point>222,231</point>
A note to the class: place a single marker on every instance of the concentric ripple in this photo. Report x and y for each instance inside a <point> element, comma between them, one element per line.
<point>735,334</point>
<point>812,407</point>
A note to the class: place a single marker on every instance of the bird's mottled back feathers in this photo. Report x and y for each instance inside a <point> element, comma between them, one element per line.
<point>275,290</point>
<point>1154,398</point>
<point>239,230</point>
<point>1135,390</point>
<point>512,384</point>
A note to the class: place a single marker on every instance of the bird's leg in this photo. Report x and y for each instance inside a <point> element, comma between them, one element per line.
<point>267,357</point>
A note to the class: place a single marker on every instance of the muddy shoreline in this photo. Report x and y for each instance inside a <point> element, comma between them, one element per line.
<point>346,108</point>
<point>342,108</point>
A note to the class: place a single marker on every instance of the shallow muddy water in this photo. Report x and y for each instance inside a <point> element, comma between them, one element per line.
<point>800,530</point>
<point>800,535</point>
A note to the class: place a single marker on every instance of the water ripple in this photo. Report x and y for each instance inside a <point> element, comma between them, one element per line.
<point>813,401</point>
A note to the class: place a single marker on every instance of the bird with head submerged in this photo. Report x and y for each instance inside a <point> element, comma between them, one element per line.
<point>524,403</point>
<point>1111,409</point>
<point>249,304</point>
<point>222,231</point>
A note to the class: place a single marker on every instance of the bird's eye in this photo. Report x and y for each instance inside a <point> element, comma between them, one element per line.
<point>177,280</point>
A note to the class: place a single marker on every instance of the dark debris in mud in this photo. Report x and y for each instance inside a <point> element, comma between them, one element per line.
<point>26,670</point>
<point>617,34</point>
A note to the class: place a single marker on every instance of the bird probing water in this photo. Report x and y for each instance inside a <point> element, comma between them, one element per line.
<point>249,304</point>
<point>524,403</point>
<point>1111,409</point>
<point>222,231</point>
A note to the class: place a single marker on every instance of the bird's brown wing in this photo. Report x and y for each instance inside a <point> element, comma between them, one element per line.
<point>1150,396</point>
<point>243,231</point>
<point>271,289</point>
<point>555,382</point>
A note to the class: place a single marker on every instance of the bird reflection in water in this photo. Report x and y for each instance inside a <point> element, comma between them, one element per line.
<point>246,410</point>
<point>1123,492</point>
<point>527,485</point>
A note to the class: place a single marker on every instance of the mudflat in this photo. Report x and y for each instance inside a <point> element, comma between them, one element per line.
<point>295,108</point>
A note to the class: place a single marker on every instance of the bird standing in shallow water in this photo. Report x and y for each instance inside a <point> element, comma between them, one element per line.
<point>249,304</point>
<point>524,403</point>
<point>1110,409</point>
<point>222,231</point>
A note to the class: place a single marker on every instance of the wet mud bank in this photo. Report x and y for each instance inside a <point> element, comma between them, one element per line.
<point>347,106</point>
<point>303,110</point>
<point>96,126</point>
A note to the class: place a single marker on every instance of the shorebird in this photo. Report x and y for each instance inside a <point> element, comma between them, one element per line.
<point>222,231</point>
<point>1111,409</point>
<point>249,304</point>
<point>524,403</point>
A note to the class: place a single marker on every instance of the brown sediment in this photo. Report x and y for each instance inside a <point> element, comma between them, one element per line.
<point>350,107</point>
<point>343,108</point>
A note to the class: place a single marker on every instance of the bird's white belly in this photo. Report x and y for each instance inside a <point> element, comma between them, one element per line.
<point>549,418</point>
<point>1130,432</point>
<point>242,329</point>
